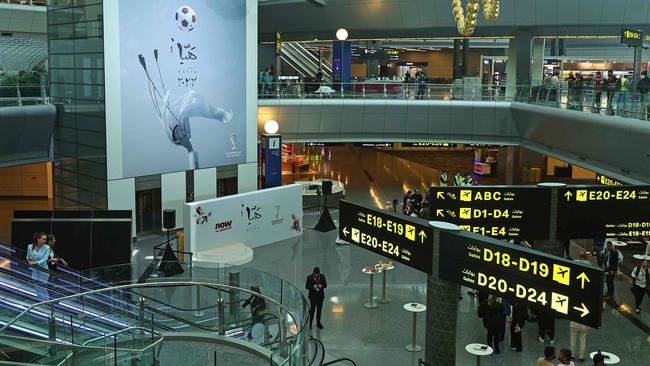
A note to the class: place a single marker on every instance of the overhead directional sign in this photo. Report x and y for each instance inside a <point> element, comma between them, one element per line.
<point>504,212</point>
<point>632,37</point>
<point>607,181</point>
<point>569,289</point>
<point>398,237</point>
<point>603,212</point>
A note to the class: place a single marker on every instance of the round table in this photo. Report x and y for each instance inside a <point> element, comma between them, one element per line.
<point>618,243</point>
<point>479,350</point>
<point>414,308</point>
<point>371,304</point>
<point>610,358</point>
<point>385,267</point>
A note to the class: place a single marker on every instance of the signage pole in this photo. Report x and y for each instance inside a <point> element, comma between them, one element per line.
<point>552,245</point>
<point>442,302</point>
<point>638,51</point>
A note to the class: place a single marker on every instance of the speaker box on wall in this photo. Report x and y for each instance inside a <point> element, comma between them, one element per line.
<point>327,187</point>
<point>169,219</point>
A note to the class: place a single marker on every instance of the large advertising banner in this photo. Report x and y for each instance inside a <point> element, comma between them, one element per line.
<point>253,219</point>
<point>182,84</point>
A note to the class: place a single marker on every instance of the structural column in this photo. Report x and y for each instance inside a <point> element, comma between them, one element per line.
<point>442,312</point>
<point>457,63</point>
<point>465,57</point>
<point>518,70</point>
<point>537,65</point>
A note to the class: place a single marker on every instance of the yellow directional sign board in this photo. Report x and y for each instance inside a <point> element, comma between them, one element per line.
<point>504,212</point>
<point>397,237</point>
<point>569,289</point>
<point>603,212</point>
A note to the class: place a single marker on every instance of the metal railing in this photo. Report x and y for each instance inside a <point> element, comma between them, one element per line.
<point>25,2</point>
<point>291,326</point>
<point>23,94</point>
<point>629,104</point>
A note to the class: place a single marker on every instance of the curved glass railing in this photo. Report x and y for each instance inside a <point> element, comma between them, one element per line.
<point>86,308</point>
<point>630,103</point>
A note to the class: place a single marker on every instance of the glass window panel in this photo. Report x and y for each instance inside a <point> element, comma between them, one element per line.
<point>89,76</point>
<point>91,138</point>
<point>89,60</point>
<point>88,29</point>
<point>90,123</point>
<point>61,61</point>
<point>61,46</point>
<point>91,13</point>
<point>59,16</point>
<point>61,75</point>
<point>60,31</point>
<point>89,45</point>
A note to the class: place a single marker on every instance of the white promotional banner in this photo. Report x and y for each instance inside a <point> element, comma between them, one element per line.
<point>253,219</point>
<point>183,94</point>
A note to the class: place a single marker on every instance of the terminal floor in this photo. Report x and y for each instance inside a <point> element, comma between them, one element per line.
<point>378,336</point>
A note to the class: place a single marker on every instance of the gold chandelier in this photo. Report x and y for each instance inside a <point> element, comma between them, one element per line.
<point>466,25</point>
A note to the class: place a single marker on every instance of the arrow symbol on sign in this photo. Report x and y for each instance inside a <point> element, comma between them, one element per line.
<point>345,231</point>
<point>583,309</point>
<point>423,235</point>
<point>568,196</point>
<point>440,195</point>
<point>440,212</point>
<point>583,277</point>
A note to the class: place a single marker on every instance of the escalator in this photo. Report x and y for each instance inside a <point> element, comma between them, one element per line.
<point>303,60</point>
<point>91,318</point>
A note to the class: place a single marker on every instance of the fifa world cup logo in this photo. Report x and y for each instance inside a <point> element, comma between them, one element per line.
<point>233,139</point>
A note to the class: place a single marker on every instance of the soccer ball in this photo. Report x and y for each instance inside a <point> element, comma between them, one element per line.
<point>186,18</point>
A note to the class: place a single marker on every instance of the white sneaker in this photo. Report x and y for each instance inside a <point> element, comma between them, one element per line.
<point>552,341</point>
<point>541,340</point>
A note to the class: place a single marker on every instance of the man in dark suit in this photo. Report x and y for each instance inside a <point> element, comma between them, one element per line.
<point>610,264</point>
<point>316,285</point>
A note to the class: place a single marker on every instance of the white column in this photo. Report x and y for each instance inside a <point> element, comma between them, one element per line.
<point>247,177</point>
<point>205,184</point>
<point>121,196</point>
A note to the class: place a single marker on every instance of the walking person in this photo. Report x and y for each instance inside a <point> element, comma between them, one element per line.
<point>611,85</point>
<point>598,92</point>
<point>53,259</point>
<point>491,311</point>
<point>621,101</point>
<point>519,317</point>
<point>571,87</point>
<point>405,202</point>
<point>407,81</point>
<point>565,357</point>
<point>316,285</point>
<point>640,284</point>
<point>421,80</point>
<point>549,356</point>
<point>444,179</point>
<point>416,199</point>
<point>37,254</point>
<point>579,331</point>
<point>579,90</point>
<point>258,305</point>
<point>643,87</point>
<point>546,325</point>
<point>610,265</point>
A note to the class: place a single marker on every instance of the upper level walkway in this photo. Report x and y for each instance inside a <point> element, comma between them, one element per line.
<point>577,126</point>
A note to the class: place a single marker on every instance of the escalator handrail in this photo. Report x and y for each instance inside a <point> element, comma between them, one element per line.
<point>143,285</point>
<point>339,360</point>
<point>18,260</point>
<point>317,342</point>
<point>158,340</point>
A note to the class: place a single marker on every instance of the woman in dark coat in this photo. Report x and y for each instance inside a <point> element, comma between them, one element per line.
<point>491,311</point>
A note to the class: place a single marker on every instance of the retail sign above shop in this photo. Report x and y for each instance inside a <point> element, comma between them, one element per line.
<point>428,144</point>
<point>603,212</point>
<point>632,37</point>
<point>373,144</point>
<point>566,288</point>
<point>504,212</point>
<point>397,237</point>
